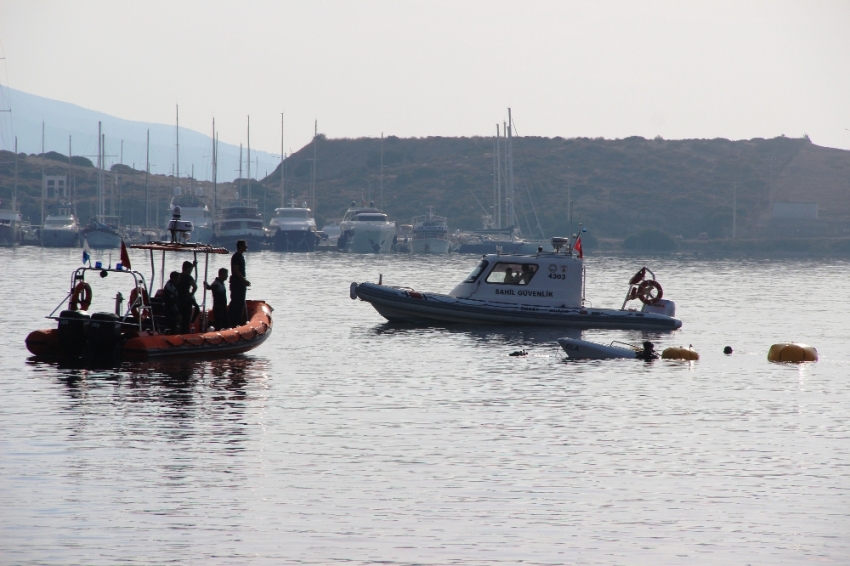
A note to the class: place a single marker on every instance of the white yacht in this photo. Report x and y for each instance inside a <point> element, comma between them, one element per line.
<point>194,209</point>
<point>365,231</point>
<point>103,232</point>
<point>240,220</point>
<point>10,225</point>
<point>294,229</point>
<point>61,229</point>
<point>430,234</point>
<point>546,288</point>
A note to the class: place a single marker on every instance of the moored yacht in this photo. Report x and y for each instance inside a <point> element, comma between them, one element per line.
<point>240,220</point>
<point>103,232</point>
<point>365,231</point>
<point>61,229</point>
<point>546,288</point>
<point>294,229</point>
<point>194,209</point>
<point>10,225</point>
<point>430,234</point>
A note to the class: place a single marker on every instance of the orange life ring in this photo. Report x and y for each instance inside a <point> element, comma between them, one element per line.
<point>649,292</point>
<point>81,297</point>
<point>135,309</point>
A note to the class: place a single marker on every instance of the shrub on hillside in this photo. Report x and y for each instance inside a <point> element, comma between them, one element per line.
<point>650,239</point>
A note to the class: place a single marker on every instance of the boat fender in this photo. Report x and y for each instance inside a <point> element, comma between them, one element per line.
<point>352,291</point>
<point>679,353</point>
<point>793,353</point>
<point>638,277</point>
<point>136,308</point>
<point>81,297</point>
<point>649,292</point>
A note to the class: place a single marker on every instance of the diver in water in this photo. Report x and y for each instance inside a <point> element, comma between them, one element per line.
<point>648,353</point>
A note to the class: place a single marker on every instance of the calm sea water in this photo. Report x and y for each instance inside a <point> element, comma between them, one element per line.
<point>344,439</point>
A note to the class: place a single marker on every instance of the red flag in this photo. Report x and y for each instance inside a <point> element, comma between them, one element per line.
<point>125,257</point>
<point>577,248</point>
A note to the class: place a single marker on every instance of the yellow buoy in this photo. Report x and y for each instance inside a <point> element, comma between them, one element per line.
<point>792,353</point>
<point>679,353</point>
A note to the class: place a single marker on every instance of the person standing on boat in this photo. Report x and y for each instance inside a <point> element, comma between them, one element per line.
<point>172,309</point>
<point>186,297</point>
<point>238,285</point>
<point>219,296</point>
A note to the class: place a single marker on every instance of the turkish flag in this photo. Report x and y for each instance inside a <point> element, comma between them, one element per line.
<point>125,257</point>
<point>577,248</point>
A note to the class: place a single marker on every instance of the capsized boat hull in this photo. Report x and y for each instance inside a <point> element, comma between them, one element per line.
<point>584,350</point>
<point>406,305</point>
<point>162,346</point>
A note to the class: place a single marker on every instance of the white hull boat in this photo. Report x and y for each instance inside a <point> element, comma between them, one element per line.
<point>584,350</point>
<point>546,288</point>
<point>194,209</point>
<point>430,235</point>
<point>294,229</point>
<point>366,231</point>
<point>60,229</point>
<point>430,246</point>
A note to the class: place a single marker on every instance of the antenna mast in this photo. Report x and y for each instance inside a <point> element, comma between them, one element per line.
<point>249,161</point>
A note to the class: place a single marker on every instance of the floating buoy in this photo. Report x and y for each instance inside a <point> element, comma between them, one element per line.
<point>792,353</point>
<point>727,350</point>
<point>679,353</point>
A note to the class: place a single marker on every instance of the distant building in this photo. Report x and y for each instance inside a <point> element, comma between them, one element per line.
<point>794,211</point>
<point>54,186</point>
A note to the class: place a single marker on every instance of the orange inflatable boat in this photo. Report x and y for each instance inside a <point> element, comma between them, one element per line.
<point>140,332</point>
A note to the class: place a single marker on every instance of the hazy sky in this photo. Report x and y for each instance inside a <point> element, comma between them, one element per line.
<point>679,69</point>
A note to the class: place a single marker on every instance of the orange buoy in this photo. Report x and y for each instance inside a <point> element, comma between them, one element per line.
<point>679,353</point>
<point>792,353</point>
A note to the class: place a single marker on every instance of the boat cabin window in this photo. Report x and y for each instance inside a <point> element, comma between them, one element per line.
<point>475,273</point>
<point>370,218</point>
<point>512,273</point>
<point>293,213</point>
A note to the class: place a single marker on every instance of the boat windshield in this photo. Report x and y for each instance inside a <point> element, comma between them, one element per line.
<point>476,273</point>
<point>512,273</point>
<point>293,213</point>
<point>371,217</point>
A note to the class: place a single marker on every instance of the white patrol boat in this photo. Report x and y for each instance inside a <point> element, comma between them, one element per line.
<point>546,288</point>
<point>366,231</point>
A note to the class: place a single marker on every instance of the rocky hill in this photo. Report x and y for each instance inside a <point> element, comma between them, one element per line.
<point>618,187</point>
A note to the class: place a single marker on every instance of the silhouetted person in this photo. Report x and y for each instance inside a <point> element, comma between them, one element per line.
<point>186,288</point>
<point>169,296</point>
<point>648,353</point>
<point>238,286</point>
<point>219,296</point>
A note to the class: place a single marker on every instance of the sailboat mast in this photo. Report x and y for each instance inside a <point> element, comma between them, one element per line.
<point>43,184</point>
<point>147,185</point>
<point>240,171</point>
<point>215,179</point>
<point>381,176</point>
<point>249,161</point>
<point>313,178</point>
<point>68,180</point>
<point>15,186</point>
<point>498,210</point>
<point>282,193</point>
<point>511,207</point>
<point>214,168</point>
<point>177,145</point>
<point>99,171</point>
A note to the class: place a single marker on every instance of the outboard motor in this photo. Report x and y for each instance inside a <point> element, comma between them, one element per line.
<point>72,332</point>
<point>104,334</point>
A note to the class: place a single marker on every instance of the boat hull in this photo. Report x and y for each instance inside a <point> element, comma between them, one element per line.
<point>584,350</point>
<point>53,238</point>
<point>364,239</point>
<point>430,246</point>
<point>164,346</point>
<point>294,241</point>
<point>405,305</point>
<point>9,235</point>
<point>101,239</point>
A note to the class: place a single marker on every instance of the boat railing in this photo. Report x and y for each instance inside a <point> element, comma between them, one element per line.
<point>632,346</point>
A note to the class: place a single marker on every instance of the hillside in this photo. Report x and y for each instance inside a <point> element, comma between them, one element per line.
<point>683,187</point>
